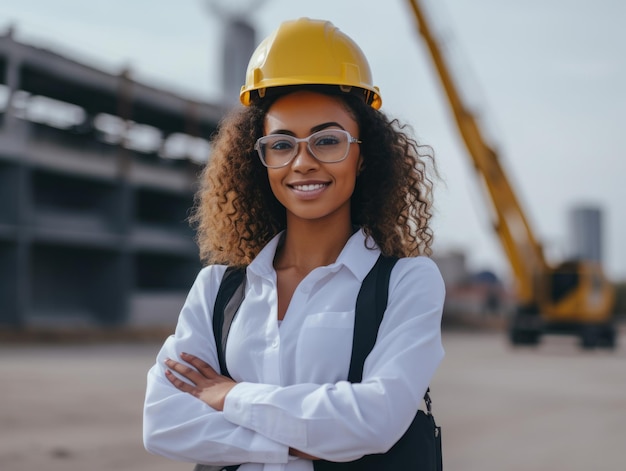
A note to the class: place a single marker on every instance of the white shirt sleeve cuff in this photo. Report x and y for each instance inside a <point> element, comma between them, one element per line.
<point>250,405</point>
<point>237,406</point>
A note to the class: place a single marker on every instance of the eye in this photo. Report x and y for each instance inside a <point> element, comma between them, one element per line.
<point>280,144</point>
<point>327,139</point>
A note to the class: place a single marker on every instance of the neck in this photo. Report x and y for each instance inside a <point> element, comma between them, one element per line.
<point>311,244</point>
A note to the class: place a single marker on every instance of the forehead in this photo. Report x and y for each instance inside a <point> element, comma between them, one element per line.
<point>301,111</point>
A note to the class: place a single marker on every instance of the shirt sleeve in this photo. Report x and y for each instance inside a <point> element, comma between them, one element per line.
<point>344,421</point>
<point>181,427</point>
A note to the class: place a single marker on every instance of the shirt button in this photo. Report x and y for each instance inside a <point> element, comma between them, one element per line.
<point>275,344</point>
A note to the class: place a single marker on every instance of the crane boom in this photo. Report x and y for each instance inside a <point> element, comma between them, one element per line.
<point>521,247</point>
<point>574,297</point>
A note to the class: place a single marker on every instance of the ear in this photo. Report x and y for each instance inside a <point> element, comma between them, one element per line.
<point>360,165</point>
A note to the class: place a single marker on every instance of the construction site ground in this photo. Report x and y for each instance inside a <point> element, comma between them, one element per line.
<point>78,406</point>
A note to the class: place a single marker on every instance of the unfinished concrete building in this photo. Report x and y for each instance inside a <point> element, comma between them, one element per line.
<point>97,176</point>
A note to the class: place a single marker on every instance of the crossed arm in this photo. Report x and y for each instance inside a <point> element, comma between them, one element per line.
<point>207,385</point>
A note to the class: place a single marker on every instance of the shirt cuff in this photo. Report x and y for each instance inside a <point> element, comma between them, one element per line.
<point>249,405</point>
<point>237,405</point>
<point>272,452</point>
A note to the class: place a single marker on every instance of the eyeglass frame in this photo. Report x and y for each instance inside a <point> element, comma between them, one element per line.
<point>297,140</point>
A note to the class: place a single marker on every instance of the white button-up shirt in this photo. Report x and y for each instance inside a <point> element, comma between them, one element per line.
<point>292,389</point>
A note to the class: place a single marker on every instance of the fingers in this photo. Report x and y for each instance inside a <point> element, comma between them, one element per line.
<point>201,372</point>
<point>199,380</point>
<point>203,367</point>
<point>185,371</point>
<point>179,383</point>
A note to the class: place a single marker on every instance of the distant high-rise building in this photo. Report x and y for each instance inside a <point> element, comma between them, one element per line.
<point>586,233</point>
<point>238,42</point>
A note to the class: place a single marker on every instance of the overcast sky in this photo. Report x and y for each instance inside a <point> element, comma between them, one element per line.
<point>547,76</point>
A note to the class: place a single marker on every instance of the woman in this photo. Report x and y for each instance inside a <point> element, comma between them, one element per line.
<point>306,186</point>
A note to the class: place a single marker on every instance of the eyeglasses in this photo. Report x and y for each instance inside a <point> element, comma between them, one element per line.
<point>327,146</point>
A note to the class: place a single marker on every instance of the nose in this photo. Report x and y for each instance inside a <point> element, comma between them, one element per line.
<point>304,161</point>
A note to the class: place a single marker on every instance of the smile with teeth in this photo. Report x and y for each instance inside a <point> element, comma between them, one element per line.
<point>310,187</point>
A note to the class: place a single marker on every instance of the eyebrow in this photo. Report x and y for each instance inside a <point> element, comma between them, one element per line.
<point>316,128</point>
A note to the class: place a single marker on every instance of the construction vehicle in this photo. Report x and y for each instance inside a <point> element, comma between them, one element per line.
<point>574,297</point>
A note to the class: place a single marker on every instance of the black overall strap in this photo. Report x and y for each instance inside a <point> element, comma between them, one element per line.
<point>229,297</point>
<point>368,314</point>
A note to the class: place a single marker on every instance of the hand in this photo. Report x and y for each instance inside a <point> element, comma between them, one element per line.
<point>208,386</point>
<point>301,454</point>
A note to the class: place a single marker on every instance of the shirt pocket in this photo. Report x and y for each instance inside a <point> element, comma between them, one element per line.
<point>324,346</point>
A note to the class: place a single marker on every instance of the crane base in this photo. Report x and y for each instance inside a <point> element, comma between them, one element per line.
<point>528,328</point>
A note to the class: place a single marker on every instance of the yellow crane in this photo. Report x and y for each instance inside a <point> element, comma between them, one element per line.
<point>574,297</point>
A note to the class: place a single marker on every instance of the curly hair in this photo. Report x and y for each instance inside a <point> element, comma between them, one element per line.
<point>236,213</point>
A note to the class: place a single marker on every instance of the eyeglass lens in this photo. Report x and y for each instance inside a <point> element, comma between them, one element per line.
<point>329,145</point>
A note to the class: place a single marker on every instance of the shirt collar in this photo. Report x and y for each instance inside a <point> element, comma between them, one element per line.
<point>356,256</point>
<point>263,263</point>
<point>359,255</point>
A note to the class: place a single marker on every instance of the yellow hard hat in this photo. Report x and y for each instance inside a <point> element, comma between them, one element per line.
<point>309,52</point>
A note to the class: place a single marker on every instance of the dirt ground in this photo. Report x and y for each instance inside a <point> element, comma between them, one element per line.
<point>555,407</point>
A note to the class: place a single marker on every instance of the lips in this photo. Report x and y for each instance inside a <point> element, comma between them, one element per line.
<point>308,190</point>
<point>309,186</point>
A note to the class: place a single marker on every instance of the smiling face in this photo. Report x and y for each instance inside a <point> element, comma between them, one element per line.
<point>307,188</point>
